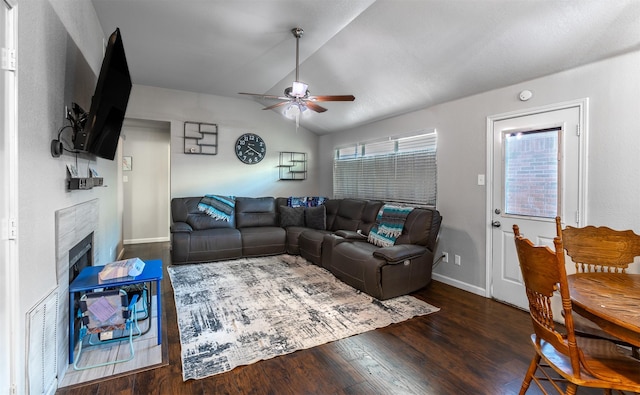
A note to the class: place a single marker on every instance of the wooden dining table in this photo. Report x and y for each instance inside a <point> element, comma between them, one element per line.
<point>611,300</point>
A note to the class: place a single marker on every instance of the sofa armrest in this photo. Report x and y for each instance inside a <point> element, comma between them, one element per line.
<point>350,235</point>
<point>181,227</point>
<point>400,253</point>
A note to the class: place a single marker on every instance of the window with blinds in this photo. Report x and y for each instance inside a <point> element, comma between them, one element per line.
<point>399,170</point>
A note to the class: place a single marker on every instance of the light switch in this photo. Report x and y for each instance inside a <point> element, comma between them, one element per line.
<point>480,179</point>
<point>125,178</point>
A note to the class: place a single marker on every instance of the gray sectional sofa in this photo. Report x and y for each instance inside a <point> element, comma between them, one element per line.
<point>332,235</point>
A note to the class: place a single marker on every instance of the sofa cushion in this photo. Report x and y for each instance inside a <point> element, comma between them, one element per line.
<point>291,216</point>
<point>354,263</point>
<point>315,218</point>
<point>206,245</point>
<point>263,240</point>
<point>182,207</point>
<point>332,210</point>
<point>203,221</point>
<point>293,235</point>
<point>186,210</point>
<point>215,239</point>
<point>349,214</point>
<point>421,227</point>
<point>252,212</point>
<point>310,245</point>
<point>369,215</point>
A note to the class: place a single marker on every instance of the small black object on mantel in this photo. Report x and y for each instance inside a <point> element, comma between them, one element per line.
<point>76,183</point>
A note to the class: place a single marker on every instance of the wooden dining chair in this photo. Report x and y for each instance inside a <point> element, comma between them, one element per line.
<point>599,249</point>
<point>565,360</point>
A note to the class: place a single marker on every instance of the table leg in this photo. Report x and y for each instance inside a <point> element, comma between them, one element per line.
<point>159,312</point>
<point>71,326</point>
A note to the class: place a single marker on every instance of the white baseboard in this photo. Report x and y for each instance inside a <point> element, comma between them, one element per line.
<point>149,240</point>
<point>459,284</point>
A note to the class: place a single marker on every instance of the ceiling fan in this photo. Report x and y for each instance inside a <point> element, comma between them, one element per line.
<point>297,97</point>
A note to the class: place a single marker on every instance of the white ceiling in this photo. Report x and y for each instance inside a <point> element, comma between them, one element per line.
<point>395,56</point>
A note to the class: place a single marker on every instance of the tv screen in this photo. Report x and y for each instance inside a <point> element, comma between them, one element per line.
<point>101,130</point>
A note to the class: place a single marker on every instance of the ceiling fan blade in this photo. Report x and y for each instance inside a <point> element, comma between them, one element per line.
<point>271,107</point>
<point>315,107</point>
<point>265,96</point>
<point>332,98</point>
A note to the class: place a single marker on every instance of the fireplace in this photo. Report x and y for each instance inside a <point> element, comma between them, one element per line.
<point>77,244</point>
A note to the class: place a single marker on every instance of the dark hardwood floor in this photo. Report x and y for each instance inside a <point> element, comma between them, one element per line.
<point>473,345</point>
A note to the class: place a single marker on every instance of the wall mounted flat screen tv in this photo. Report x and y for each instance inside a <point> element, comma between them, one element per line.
<point>101,130</point>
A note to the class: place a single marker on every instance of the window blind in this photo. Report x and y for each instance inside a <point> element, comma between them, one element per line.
<point>398,170</point>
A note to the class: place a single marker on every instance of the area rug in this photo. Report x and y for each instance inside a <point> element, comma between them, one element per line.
<point>238,312</point>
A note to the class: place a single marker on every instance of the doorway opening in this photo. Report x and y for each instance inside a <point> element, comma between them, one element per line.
<point>145,169</point>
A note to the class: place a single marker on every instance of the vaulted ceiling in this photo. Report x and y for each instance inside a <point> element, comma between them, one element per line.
<point>395,56</point>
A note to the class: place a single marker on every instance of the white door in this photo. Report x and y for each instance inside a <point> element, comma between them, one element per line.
<point>536,176</point>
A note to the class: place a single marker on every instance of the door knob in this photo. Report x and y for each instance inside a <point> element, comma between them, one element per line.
<point>496,224</point>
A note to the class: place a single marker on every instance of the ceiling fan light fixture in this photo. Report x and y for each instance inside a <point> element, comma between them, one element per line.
<point>299,89</point>
<point>294,109</point>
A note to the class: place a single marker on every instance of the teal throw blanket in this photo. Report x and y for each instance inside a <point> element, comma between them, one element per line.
<point>218,207</point>
<point>389,225</point>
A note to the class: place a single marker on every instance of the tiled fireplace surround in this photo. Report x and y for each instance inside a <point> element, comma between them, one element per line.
<point>73,224</point>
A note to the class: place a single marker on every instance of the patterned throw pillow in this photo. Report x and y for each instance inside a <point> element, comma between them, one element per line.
<point>291,216</point>
<point>305,201</point>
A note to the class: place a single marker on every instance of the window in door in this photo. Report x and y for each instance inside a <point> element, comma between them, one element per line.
<point>532,173</point>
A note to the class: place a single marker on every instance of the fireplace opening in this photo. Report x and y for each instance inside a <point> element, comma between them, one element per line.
<point>80,256</point>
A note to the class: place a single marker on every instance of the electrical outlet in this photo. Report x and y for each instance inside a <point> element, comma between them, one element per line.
<point>445,257</point>
<point>457,260</point>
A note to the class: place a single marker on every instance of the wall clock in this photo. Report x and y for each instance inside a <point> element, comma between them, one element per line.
<point>250,148</point>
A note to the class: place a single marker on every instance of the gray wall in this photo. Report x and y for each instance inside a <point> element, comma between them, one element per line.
<point>59,55</point>
<point>196,175</point>
<point>613,160</point>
